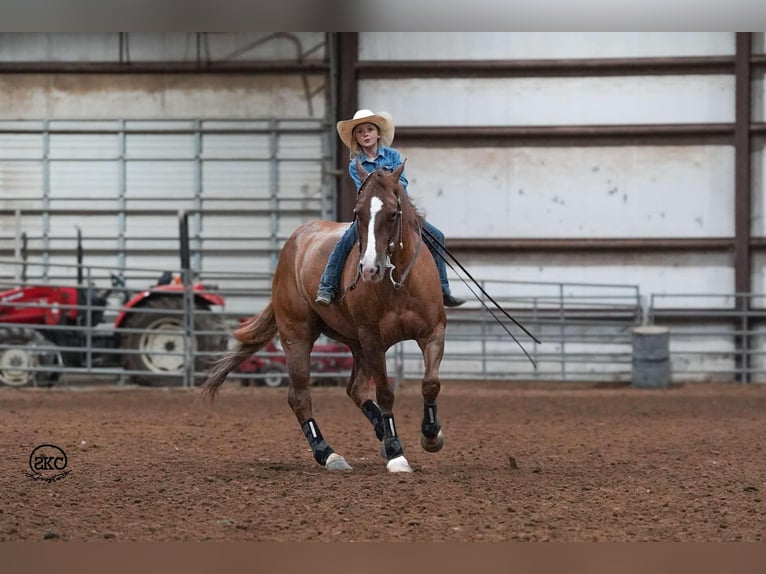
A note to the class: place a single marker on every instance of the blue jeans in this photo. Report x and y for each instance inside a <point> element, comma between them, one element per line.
<point>334,268</point>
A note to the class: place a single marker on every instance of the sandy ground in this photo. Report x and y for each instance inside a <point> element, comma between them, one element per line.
<point>521,462</point>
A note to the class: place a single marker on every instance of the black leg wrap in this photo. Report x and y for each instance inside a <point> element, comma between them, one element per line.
<point>431,426</point>
<point>391,441</point>
<point>373,413</point>
<point>319,447</point>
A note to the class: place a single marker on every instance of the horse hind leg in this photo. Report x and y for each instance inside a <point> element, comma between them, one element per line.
<point>299,398</point>
<point>358,390</point>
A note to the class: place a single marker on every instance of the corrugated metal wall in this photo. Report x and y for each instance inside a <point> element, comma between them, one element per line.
<point>566,157</point>
<point>231,127</point>
<point>564,190</point>
<point>588,157</point>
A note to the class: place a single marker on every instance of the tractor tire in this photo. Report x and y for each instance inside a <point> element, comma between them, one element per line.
<point>274,376</point>
<point>27,355</point>
<point>162,335</point>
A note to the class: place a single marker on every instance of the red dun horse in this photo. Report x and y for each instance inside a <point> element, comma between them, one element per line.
<point>370,317</point>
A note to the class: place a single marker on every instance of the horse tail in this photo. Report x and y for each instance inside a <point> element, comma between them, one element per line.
<point>252,336</point>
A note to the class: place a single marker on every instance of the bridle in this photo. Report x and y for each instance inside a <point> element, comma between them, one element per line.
<point>391,244</point>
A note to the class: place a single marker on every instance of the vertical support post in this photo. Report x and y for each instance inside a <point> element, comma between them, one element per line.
<point>562,333</point>
<point>274,193</point>
<point>122,199</point>
<point>188,300</point>
<point>24,254</point>
<point>348,96</point>
<point>88,317</point>
<point>484,333</point>
<point>742,201</point>
<point>17,271</point>
<point>328,207</point>
<point>46,199</point>
<point>79,257</point>
<point>198,195</point>
<point>535,349</point>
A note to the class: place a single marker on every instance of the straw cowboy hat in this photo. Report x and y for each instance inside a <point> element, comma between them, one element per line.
<point>383,120</point>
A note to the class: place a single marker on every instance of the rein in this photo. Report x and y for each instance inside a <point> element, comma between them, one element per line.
<point>443,249</point>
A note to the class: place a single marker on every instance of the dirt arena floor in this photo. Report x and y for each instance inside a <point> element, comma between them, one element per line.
<point>522,462</point>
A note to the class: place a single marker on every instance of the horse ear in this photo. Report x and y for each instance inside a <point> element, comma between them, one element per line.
<point>398,171</point>
<point>360,170</point>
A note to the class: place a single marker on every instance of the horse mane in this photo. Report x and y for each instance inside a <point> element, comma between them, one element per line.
<point>411,211</point>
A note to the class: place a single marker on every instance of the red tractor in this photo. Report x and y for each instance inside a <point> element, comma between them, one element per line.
<point>147,339</point>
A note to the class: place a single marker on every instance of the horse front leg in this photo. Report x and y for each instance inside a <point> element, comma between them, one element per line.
<point>298,358</point>
<point>383,411</point>
<point>432,438</point>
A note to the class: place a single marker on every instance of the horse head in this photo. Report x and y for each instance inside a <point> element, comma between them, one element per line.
<point>378,215</point>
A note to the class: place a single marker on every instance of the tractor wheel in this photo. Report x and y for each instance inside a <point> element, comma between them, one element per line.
<point>160,344</point>
<point>26,354</point>
<point>274,376</point>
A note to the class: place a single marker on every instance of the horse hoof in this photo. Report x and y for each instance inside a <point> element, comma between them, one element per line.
<point>398,464</point>
<point>432,444</point>
<point>336,462</point>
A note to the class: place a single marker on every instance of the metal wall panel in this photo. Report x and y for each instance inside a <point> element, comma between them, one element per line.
<point>540,45</point>
<point>552,101</point>
<point>758,174</point>
<point>246,184</point>
<point>652,272</point>
<point>161,47</point>
<point>759,43</point>
<point>160,96</point>
<point>758,94</point>
<point>36,47</point>
<point>549,192</point>
<point>759,277</point>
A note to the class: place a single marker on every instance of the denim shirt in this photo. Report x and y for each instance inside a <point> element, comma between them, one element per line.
<point>387,157</point>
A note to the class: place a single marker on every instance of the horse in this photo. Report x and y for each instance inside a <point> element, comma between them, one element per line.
<point>370,316</point>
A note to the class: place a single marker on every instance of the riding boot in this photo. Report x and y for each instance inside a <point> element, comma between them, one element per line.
<point>450,301</point>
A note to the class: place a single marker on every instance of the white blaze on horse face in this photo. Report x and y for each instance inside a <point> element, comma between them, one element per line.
<point>372,268</point>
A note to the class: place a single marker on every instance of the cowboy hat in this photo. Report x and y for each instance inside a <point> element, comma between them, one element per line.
<point>382,120</point>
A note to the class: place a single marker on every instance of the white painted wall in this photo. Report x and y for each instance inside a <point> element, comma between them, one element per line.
<point>552,101</point>
<point>160,96</point>
<point>652,272</point>
<point>549,192</point>
<point>541,45</point>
